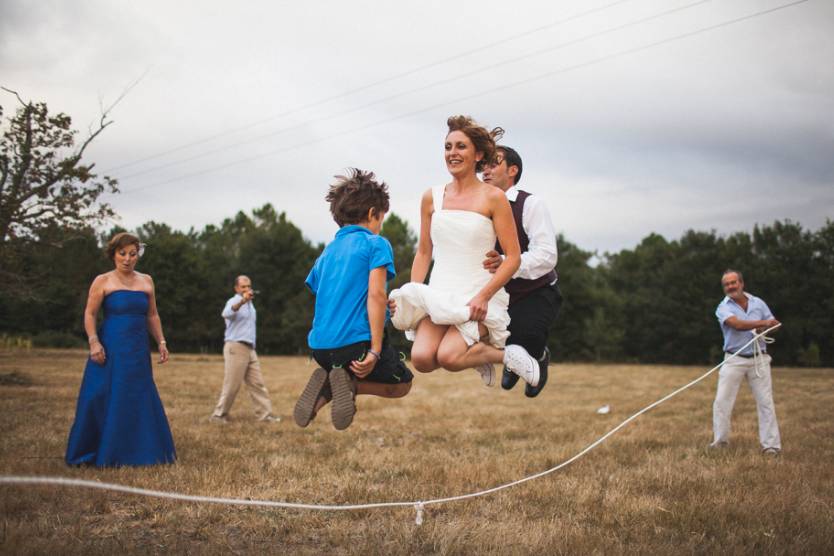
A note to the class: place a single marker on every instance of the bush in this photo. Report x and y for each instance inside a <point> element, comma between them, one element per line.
<point>56,339</point>
<point>810,356</point>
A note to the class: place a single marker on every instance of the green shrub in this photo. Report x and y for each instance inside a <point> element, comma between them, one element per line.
<point>56,339</point>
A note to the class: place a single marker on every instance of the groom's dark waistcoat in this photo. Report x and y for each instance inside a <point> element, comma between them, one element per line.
<point>519,288</point>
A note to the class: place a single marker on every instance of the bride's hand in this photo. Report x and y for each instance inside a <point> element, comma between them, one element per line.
<point>478,308</point>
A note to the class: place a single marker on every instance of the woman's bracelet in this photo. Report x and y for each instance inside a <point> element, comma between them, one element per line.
<point>375,354</point>
<point>92,339</point>
<point>163,343</point>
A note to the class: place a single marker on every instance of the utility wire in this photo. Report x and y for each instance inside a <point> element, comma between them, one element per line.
<point>446,81</point>
<point>514,84</point>
<point>370,85</point>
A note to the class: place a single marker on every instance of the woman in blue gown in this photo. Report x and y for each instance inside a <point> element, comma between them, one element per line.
<point>119,419</point>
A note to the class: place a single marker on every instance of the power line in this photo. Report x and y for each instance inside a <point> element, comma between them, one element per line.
<point>370,85</point>
<point>446,81</point>
<point>539,77</point>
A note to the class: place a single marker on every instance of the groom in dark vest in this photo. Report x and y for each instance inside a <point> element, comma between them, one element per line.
<point>535,299</point>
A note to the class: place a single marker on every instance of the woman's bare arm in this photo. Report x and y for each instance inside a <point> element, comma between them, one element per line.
<point>422,258</point>
<point>505,230</point>
<point>94,300</point>
<point>155,323</point>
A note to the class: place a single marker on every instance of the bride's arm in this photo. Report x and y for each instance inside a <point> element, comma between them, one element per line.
<point>505,230</point>
<point>422,258</point>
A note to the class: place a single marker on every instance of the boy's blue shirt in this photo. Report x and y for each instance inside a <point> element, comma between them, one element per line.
<point>339,280</point>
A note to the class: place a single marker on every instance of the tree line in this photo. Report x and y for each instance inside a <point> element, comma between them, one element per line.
<point>654,303</point>
<point>651,304</point>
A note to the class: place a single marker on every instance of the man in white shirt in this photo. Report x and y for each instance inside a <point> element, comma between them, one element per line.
<point>241,360</point>
<point>535,298</point>
<point>741,315</point>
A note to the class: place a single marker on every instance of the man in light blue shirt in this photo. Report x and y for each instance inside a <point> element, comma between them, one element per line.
<point>741,315</point>
<point>241,360</point>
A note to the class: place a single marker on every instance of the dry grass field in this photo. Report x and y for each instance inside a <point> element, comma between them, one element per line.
<point>652,488</point>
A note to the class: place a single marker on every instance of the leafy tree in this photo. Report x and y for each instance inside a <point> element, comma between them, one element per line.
<point>43,183</point>
<point>404,243</point>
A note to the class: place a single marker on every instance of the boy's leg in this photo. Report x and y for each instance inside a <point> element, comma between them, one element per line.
<point>383,390</point>
<point>426,343</point>
<point>314,396</point>
<point>391,377</point>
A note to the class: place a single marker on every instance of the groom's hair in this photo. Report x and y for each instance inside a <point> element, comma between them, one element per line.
<point>353,195</point>
<point>512,158</point>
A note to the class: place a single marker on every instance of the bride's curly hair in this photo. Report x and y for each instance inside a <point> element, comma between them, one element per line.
<point>352,195</point>
<point>484,140</point>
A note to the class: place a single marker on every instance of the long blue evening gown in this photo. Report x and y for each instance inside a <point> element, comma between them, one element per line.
<point>119,419</point>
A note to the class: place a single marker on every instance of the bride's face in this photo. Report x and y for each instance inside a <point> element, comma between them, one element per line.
<point>461,156</point>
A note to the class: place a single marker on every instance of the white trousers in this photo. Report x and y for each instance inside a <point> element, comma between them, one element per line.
<point>730,377</point>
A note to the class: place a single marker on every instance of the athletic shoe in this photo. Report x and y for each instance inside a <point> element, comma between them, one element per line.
<point>508,379</point>
<point>343,407</point>
<point>305,407</point>
<point>533,391</point>
<point>772,452</point>
<point>219,419</point>
<point>487,372</point>
<point>270,419</point>
<point>522,363</point>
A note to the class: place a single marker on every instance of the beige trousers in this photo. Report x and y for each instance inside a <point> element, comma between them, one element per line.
<point>242,366</point>
<point>730,377</point>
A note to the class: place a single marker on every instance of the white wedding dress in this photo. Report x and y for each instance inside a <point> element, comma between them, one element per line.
<point>461,239</point>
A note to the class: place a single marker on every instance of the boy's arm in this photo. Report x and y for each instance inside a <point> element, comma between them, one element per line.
<point>377,302</point>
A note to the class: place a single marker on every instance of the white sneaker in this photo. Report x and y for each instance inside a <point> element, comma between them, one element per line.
<point>487,372</point>
<point>522,363</point>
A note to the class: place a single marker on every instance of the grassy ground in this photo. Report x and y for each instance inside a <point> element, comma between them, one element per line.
<point>652,488</point>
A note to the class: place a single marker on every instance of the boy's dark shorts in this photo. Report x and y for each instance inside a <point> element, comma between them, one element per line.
<point>390,369</point>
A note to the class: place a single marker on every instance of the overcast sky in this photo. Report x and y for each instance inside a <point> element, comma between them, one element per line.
<point>632,117</point>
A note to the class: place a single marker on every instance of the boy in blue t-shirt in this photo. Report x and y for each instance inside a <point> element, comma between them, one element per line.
<point>349,281</point>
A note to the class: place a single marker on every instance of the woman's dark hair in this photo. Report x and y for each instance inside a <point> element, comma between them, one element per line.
<point>483,139</point>
<point>353,195</point>
<point>122,239</point>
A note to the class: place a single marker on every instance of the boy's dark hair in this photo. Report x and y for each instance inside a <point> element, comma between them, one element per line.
<point>512,158</point>
<point>352,195</point>
<point>482,138</point>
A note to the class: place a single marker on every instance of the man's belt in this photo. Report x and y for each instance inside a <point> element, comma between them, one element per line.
<point>250,345</point>
<point>745,355</point>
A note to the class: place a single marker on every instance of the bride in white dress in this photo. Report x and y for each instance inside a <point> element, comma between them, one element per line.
<point>459,321</point>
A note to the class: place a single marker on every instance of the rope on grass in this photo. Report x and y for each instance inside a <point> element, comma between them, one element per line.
<point>419,506</point>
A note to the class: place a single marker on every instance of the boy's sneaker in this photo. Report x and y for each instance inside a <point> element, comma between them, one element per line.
<point>305,407</point>
<point>522,363</point>
<point>487,372</point>
<point>343,407</point>
<point>533,391</point>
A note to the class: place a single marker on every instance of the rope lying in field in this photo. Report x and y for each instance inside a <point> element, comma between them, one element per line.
<point>418,505</point>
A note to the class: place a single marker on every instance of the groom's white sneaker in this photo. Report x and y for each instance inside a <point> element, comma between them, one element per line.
<point>522,363</point>
<point>487,372</point>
